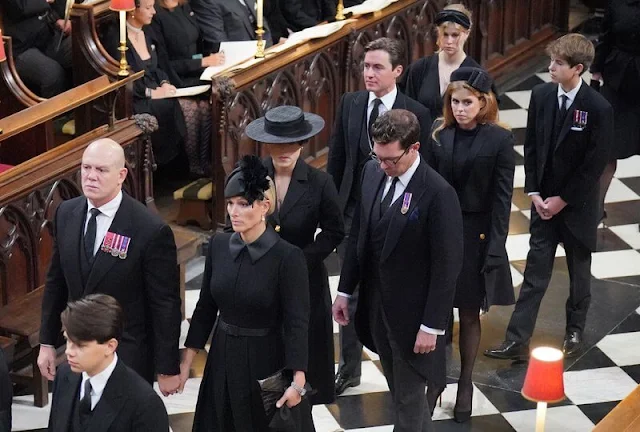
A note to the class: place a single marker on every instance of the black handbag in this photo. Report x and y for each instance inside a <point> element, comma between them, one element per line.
<point>271,390</point>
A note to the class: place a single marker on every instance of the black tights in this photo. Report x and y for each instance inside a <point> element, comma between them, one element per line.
<point>469,341</point>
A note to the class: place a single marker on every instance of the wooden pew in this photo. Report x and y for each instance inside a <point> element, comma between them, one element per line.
<point>625,417</point>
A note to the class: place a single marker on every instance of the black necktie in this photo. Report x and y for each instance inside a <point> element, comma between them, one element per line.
<point>85,402</point>
<point>374,116</point>
<point>90,234</point>
<point>562,112</point>
<point>560,116</point>
<point>386,201</point>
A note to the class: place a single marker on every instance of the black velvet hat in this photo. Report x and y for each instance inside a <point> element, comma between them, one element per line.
<point>284,124</point>
<point>475,77</point>
<point>450,15</point>
<point>249,179</point>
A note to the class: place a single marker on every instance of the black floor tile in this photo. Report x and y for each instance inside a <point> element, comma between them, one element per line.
<point>494,423</point>
<point>518,223</point>
<point>527,84</point>
<point>507,103</point>
<point>519,159</point>
<point>367,410</point>
<point>195,283</point>
<point>597,411</point>
<point>623,213</point>
<point>506,400</point>
<point>519,135</point>
<point>633,372</point>
<point>632,183</point>
<point>594,358</point>
<point>332,262</point>
<point>608,241</point>
<point>629,325</point>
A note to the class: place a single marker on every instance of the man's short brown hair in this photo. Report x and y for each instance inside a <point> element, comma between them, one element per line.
<point>573,48</point>
<point>393,47</point>
<point>396,125</point>
<point>96,317</point>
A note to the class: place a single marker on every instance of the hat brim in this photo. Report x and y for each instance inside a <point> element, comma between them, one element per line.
<point>255,131</point>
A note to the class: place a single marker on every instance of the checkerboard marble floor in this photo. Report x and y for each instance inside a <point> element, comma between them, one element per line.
<point>594,383</point>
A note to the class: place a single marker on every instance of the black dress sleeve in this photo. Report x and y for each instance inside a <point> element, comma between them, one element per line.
<point>502,192</point>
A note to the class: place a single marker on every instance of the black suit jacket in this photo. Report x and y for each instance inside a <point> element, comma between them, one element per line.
<point>348,131</point>
<point>286,14</point>
<point>579,156</point>
<point>27,22</point>
<point>226,20</point>
<point>420,260</point>
<point>320,10</point>
<point>127,404</point>
<point>146,283</point>
<point>6,395</point>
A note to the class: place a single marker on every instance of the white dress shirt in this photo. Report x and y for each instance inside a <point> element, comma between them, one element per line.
<point>104,219</point>
<point>98,382</point>
<point>387,103</point>
<point>401,185</point>
<point>571,96</point>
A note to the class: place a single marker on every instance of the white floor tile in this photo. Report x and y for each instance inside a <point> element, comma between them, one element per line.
<point>558,419</point>
<point>622,348</point>
<point>195,267</point>
<point>515,118</point>
<point>514,208</point>
<point>629,167</point>
<point>615,264</point>
<point>184,330</point>
<point>323,419</point>
<point>629,233</point>
<point>618,191</point>
<point>519,149</point>
<point>333,286</point>
<point>544,76</point>
<point>597,385</point>
<point>480,405</point>
<point>190,301</point>
<point>26,416</point>
<point>526,213</point>
<point>518,177</point>
<point>520,97</point>
<point>184,402</point>
<point>518,247</point>
<point>371,354</point>
<point>371,381</point>
<point>516,276</point>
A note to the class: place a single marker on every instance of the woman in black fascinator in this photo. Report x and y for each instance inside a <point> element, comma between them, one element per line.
<point>258,284</point>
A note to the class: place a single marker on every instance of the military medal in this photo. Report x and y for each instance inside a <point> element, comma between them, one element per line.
<point>107,242</point>
<point>116,245</point>
<point>406,202</point>
<point>124,247</point>
<point>579,120</point>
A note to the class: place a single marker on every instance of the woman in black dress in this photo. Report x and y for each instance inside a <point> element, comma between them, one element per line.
<point>306,199</point>
<point>259,285</point>
<point>617,63</point>
<point>475,155</point>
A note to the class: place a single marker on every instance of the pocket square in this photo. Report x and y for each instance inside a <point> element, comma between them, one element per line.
<point>414,215</point>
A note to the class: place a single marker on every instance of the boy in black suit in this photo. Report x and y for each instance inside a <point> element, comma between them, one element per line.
<point>569,129</point>
<point>95,391</point>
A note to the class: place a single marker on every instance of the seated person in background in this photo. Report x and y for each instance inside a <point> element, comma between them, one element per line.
<point>6,395</point>
<point>228,20</point>
<point>320,10</point>
<point>153,94</point>
<point>286,16</point>
<point>35,26</point>
<point>95,390</point>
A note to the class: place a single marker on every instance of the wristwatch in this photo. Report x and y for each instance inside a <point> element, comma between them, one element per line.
<point>301,390</point>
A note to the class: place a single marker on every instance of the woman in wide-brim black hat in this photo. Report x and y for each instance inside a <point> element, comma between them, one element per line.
<point>306,200</point>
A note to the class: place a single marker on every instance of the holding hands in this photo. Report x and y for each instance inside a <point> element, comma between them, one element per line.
<point>549,207</point>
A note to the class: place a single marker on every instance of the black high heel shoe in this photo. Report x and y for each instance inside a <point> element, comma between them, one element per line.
<point>434,396</point>
<point>462,416</point>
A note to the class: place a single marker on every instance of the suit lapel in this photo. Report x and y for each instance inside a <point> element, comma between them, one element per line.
<point>104,261</point>
<point>370,190</point>
<point>72,246</point>
<point>246,21</point>
<point>568,121</point>
<point>416,187</point>
<point>297,187</point>
<point>111,402</point>
<point>66,395</point>
<point>550,108</point>
<point>400,102</point>
<point>357,123</point>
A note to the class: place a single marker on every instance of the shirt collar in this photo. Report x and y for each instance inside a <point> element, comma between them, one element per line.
<point>571,95</point>
<point>256,249</point>
<point>387,100</point>
<point>109,209</point>
<point>99,381</point>
<point>408,174</point>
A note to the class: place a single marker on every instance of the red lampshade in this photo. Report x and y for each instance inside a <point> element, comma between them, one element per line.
<point>122,5</point>
<point>544,382</point>
<point>3,55</point>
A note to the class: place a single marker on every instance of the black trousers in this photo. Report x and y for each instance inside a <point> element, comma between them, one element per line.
<point>407,386</point>
<point>545,236</point>
<point>46,71</point>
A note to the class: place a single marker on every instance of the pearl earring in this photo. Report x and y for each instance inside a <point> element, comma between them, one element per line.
<point>263,218</point>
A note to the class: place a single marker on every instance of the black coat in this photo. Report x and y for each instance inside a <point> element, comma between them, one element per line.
<point>578,157</point>
<point>319,10</point>
<point>30,22</point>
<point>284,15</point>
<point>167,140</point>
<point>127,404</point>
<point>260,286</point>
<point>226,20</point>
<point>311,202</point>
<point>146,283</point>
<point>419,264</point>
<point>484,188</point>
<point>421,82</point>
<point>6,395</point>
<point>350,133</point>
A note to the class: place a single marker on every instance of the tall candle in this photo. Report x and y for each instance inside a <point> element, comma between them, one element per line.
<point>259,13</point>
<point>123,27</point>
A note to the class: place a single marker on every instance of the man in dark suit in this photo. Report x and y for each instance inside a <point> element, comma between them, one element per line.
<point>569,130</point>
<point>228,20</point>
<point>320,10</point>
<point>107,242</point>
<point>349,150</point>
<point>6,395</point>
<point>35,27</point>
<point>95,391</point>
<point>405,252</point>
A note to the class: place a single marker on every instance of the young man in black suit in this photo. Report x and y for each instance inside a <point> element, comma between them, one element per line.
<point>569,130</point>
<point>107,242</point>
<point>405,253</point>
<point>228,20</point>
<point>95,391</point>
<point>349,150</point>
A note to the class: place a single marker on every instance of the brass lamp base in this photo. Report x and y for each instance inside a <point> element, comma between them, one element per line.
<point>123,72</point>
<point>260,43</point>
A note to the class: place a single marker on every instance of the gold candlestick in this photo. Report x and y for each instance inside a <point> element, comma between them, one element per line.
<point>123,72</point>
<point>260,43</point>
<point>340,11</point>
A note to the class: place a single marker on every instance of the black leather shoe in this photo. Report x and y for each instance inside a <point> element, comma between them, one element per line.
<point>509,351</point>
<point>343,382</point>
<point>572,344</point>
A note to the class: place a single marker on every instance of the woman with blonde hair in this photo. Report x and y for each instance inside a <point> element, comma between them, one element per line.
<point>474,153</point>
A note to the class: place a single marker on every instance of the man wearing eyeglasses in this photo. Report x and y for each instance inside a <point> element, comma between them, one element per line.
<point>349,149</point>
<point>405,253</point>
